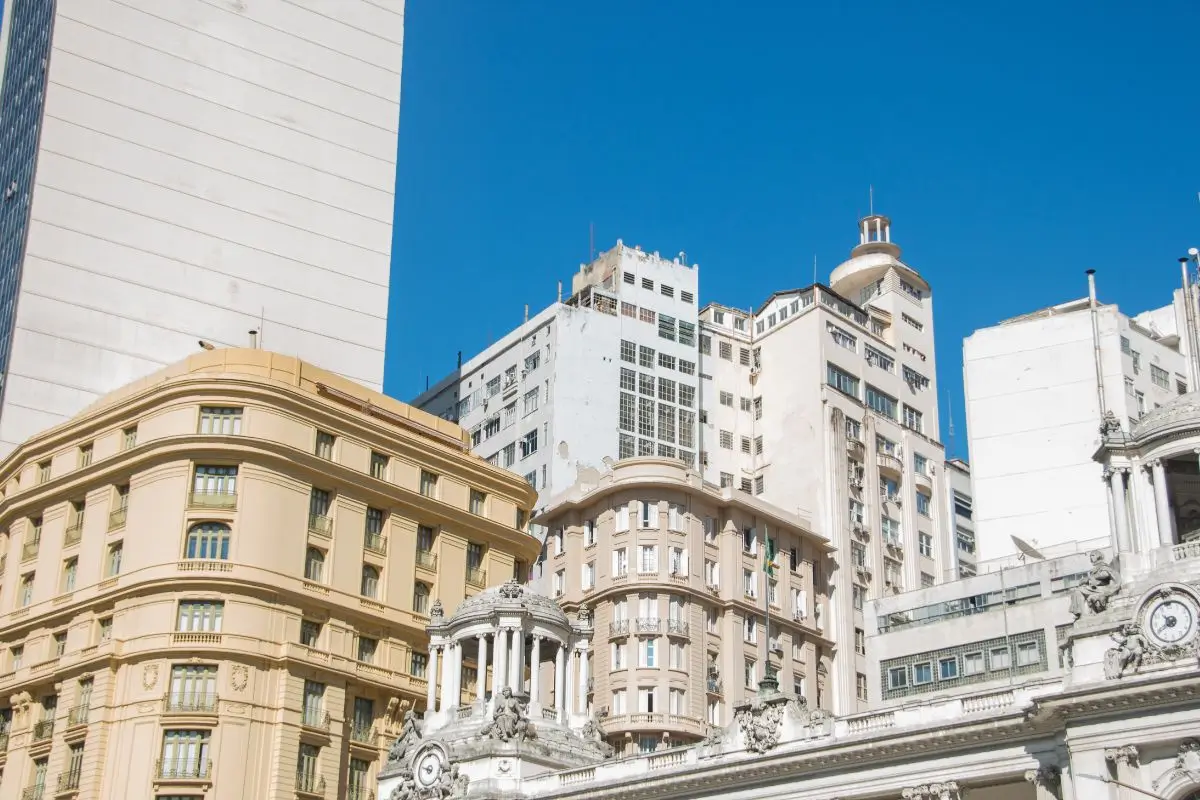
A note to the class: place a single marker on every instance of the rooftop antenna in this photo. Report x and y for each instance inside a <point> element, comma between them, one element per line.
<point>1027,550</point>
<point>591,241</point>
<point>871,201</point>
<point>814,269</point>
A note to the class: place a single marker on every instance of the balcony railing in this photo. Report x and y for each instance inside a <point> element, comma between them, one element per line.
<point>35,792</point>
<point>74,533</point>
<point>320,523</point>
<point>318,720</point>
<point>213,499</point>
<point>426,560</point>
<point>78,715</point>
<point>677,627</point>
<point>183,769</point>
<point>477,576</point>
<point>189,703</point>
<point>714,686</point>
<point>359,793</point>
<point>375,542</point>
<point>43,730</point>
<point>648,624</point>
<point>116,518</point>
<point>69,780</point>
<point>309,783</point>
<point>618,627</point>
<point>30,550</point>
<point>363,733</point>
<point>4,742</point>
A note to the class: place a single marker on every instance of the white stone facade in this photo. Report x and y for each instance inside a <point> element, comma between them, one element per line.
<point>1033,415</point>
<point>191,171</point>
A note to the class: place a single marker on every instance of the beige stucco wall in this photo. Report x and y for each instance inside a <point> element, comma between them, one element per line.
<point>255,724</point>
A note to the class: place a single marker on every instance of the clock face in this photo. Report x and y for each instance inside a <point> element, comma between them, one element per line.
<point>429,769</point>
<point>1172,621</point>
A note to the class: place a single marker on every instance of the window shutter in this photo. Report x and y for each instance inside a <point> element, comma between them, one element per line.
<point>622,518</point>
<point>673,517</point>
<point>683,562</point>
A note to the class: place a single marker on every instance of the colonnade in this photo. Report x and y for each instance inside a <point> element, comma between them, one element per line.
<point>1121,483</point>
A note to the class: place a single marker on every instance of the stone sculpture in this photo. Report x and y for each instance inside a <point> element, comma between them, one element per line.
<point>1127,655</point>
<point>1103,581</point>
<point>509,721</point>
<point>408,738</point>
<point>761,725</point>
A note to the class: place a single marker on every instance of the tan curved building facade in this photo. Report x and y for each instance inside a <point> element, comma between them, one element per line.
<point>671,569</point>
<point>217,580</point>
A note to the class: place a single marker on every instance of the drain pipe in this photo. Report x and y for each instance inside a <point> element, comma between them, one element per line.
<point>1091,275</point>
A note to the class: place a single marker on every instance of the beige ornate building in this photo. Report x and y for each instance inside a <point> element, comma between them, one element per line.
<point>217,582</point>
<point>671,570</point>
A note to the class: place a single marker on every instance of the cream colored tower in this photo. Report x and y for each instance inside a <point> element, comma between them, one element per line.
<point>671,570</point>
<point>218,579</point>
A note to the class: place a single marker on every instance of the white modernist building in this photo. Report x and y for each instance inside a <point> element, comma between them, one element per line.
<point>609,373</point>
<point>1082,684</point>
<point>174,171</point>
<point>960,513</point>
<point>1033,414</point>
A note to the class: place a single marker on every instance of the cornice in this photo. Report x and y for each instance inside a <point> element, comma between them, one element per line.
<point>262,452</point>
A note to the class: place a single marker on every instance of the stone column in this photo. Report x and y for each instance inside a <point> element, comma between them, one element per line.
<point>1116,485</point>
<point>481,663</point>
<point>447,688</point>
<point>583,677</point>
<point>500,662</point>
<point>455,674</point>
<point>431,676</point>
<point>1126,761</point>
<point>1166,536</point>
<point>560,681</point>
<point>1046,782</point>
<point>514,661</point>
<point>534,689</point>
<point>569,689</point>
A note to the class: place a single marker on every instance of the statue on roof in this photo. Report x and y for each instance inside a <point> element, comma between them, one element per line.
<point>1102,582</point>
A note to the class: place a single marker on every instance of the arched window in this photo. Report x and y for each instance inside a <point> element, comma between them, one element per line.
<point>208,540</point>
<point>314,564</point>
<point>421,598</point>
<point>370,581</point>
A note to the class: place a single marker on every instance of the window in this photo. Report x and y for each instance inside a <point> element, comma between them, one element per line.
<point>60,644</point>
<point>220,420</point>
<point>916,325</point>
<point>214,485</point>
<point>478,503</point>
<point>628,351</point>
<point>726,439</point>
<point>358,776</point>
<point>104,630</point>
<point>648,652</point>
<point>310,632</point>
<point>726,477</point>
<point>972,664</point>
<point>686,296</point>
<point>112,564</point>
<point>193,688</point>
<point>878,358</point>
<point>418,665</point>
<point>922,673</point>
<point>43,472</point>
<point>1028,654</point>
<point>749,670</point>
<point>947,669</point>
<point>858,596</point>
<point>1000,658</point>
<point>373,538</point>
<point>705,345</point>
<point>749,583</point>
<point>882,403</point>
<point>429,484</point>
<point>667,291</point>
<point>306,768</point>
<point>531,400</point>
<point>314,564</point>
<point>913,419</point>
<point>324,445</point>
<point>366,649</point>
<point>588,575</point>
<point>927,580</point>
<point>370,581</point>
<point>70,571</point>
<point>921,464</point>
<point>85,455</point>
<point>379,462</point>
<point>200,616</point>
<point>648,559</point>
<point>185,754</point>
<point>758,485</point>
<point>925,543</point>
<point>891,529</point>
<point>860,641</point>
<point>314,704</point>
<point>915,380</point>
<point>965,539</point>
<point>529,443</point>
<point>842,338</point>
<point>842,381</point>
<point>208,540</point>
<point>725,350</point>
<point>744,356</point>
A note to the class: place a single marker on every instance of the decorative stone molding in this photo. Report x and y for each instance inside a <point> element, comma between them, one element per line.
<point>1186,766</point>
<point>1126,755</point>
<point>436,611</point>
<point>1110,425</point>
<point>933,791</point>
<point>760,724</point>
<point>149,676</point>
<point>584,616</point>
<point>511,590</point>
<point>239,677</point>
<point>1047,776</point>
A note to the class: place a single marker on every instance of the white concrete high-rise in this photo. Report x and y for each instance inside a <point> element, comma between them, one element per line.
<point>1033,417</point>
<point>175,171</point>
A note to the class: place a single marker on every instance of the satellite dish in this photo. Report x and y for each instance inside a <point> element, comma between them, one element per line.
<point>1027,549</point>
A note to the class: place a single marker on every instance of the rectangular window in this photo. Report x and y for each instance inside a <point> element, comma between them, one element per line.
<point>324,445</point>
<point>628,351</point>
<point>185,754</point>
<point>915,324</point>
<point>972,664</point>
<point>69,573</point>
<point>705,345</point>
<point>366,649</point>
<point>307,766</point>
<point>418,665</point>
<point>200,616</point>
<point>478,503</point>
<point>310,632</point>
<point>913,419</point>
<point>881,402</point>
<point>1000,658</point>
<point>923,502</point>
<point>112,563</point>
<point>43,472</point>
<point>666,390</point>
<point>915,380</point>
<point>214,485</point>
<point>193,688</point>
<point>842,338</point>
<point>1028,654</point>
<point>947,669</point>
<point>878,358</point>
<point>529,443</point>
<point>925,543</point>
<point>379,464</point>
<point>1160,377</point>
<point>129,437</point>
<point>842,381</point>
<point>725,350</point>
<point>531,400</point>
<point>922,673</point>
<point>646,357</point>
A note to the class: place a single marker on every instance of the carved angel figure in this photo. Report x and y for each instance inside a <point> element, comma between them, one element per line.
<point>1093,594</point>
<point>1127,655</point>
<point>409,736</point>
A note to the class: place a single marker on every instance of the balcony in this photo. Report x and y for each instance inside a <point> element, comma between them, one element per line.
<point>195,637</point>
<point>715,686</point>
<point>359,793</point>
<point>69,781</point>
<point>855,447</point>
<point>317,720</point>
<point>116,518</point>
<point>310,784</point>
<point>320,524</point>
<point>43,730</point>
<point>190,703</point>
<point>677,627</point>
<point>375,542</point>
<point>224,500</point>
<point>29,550</point>
<point>183,769</point>
<point>618,627</point>
<point>73,534</point>
<point>647,625</point>
<point>922,479</point>
<point>477,577</point>
<point>889,463</point>
<point>655,724</point>
<point>35,792</point>
<point>427,559</point>
<point>363,734</point>
<point>78,716</point>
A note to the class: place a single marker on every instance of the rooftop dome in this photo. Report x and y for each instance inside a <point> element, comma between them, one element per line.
<point>1181,413</point>
<point>510,597</point>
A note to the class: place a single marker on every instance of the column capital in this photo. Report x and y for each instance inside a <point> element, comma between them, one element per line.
<point>1106,474</point>
<point>1127,755</point>
<point>1154,463</point>
<point>1046,776</point>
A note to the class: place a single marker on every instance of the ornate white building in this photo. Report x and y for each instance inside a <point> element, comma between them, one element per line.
<point>1118,721</point>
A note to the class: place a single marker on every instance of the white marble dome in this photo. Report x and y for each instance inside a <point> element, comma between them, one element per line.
<point>1182,413</point>
<point>511,597</point>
